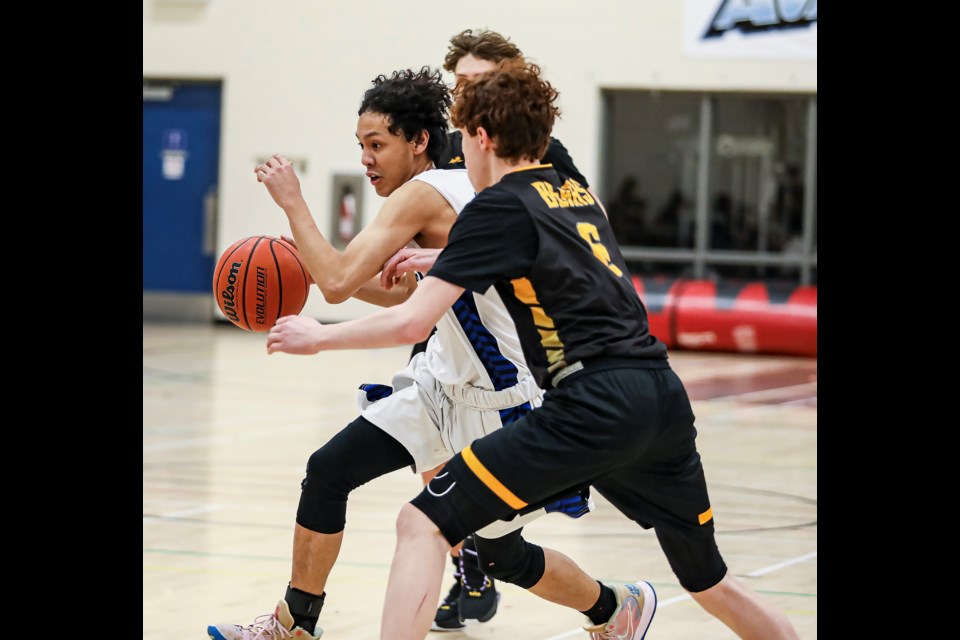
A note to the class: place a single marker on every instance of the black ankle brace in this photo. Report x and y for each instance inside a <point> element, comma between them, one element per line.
<point>604,607</point>
<point>304,607</point>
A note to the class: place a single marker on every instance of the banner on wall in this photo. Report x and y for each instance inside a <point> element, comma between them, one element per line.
<point>772,29</point>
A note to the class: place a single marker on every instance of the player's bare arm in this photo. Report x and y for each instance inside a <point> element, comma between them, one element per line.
<point>415,211</point>
<point>407,323</point>
<point>371,291</point>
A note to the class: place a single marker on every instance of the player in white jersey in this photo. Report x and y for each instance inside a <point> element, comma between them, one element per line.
<point>472,378</point>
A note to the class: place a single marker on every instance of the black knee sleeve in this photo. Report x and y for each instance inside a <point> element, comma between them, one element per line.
<point>359,453</point>
<point>323,496</point>
<point>511,559</point>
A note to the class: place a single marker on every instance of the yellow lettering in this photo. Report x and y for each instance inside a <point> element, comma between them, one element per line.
<point>577,195</point>
<point>547,193</point>
<point>571,194</point>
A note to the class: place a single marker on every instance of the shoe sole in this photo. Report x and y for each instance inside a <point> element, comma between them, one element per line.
<point>646,617</point>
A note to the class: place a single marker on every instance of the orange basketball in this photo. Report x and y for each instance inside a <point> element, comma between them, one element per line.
<point>259,279</point>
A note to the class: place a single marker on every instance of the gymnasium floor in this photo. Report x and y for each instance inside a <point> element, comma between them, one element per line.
<point>227,431</point>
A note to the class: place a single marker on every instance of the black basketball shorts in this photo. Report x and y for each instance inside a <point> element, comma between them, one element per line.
<point>628,432</point>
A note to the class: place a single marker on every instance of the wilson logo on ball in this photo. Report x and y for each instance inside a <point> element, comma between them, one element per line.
<point>228,305</point>
<point>258,280</point>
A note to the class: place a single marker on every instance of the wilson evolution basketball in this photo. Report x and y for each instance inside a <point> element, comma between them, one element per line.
<point>258,280</point>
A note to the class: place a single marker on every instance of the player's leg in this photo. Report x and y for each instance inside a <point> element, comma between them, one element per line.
<point>554,576</point>
<point>547,573</point>
<point>555,454</point>
<point>691,546</point>
<point>670,475</point>
<point>743,610</point>
<point>416,574</point>
<point>447,617</point>
<point>357,454</point>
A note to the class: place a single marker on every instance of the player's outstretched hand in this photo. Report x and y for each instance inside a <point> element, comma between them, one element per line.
<point>294,334</point>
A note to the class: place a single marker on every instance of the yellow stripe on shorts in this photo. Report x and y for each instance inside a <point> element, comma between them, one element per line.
<point>706,515</point>
<point>487,478</point>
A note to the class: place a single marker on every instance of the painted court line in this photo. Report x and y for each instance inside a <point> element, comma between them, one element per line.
<point>206,508</point>
<point>769,393</point>
<point>785,563</point>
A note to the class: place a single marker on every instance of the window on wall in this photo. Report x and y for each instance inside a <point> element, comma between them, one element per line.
<point>713,185</point>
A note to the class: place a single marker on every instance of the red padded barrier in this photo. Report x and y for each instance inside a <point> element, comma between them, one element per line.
<point>741,317</point>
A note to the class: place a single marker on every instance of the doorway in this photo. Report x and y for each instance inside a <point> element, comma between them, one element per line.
<point>181,158</point>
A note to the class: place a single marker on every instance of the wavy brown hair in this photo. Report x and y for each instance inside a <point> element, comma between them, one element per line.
<point>483,44</point>
<point>514,104</point>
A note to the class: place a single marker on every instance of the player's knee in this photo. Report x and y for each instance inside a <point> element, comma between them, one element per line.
<point>323,497</point>
<point>323,468</point>
<point>511,559</point>
<point>406,520</point>
<point>414,524</point>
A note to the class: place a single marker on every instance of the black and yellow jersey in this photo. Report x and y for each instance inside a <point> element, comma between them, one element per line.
<point>547,247</point>
<point>556,154</point>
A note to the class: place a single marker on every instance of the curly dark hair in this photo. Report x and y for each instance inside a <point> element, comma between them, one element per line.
<point>413,101</point>
<point>483,44</point>
<point>515,106</point>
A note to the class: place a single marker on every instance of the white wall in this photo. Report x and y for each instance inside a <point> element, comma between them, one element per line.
<point>294,72</point>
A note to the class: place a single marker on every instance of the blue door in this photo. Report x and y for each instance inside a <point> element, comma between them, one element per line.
<point>181,148</point>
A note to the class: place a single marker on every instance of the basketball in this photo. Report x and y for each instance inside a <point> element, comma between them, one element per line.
<point>258,280</point>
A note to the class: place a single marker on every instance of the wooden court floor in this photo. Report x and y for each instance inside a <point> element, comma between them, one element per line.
<point>227,431</point>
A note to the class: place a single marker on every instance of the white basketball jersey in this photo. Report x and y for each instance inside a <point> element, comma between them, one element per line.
<point>476,341</point>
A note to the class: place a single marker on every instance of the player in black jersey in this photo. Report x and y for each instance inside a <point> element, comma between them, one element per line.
<point>615,415</point>
<point>470,53</point>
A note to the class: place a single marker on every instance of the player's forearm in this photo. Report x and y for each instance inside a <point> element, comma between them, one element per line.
<point>373,293</point>
<point>391,327</point>
<point>324,262</point>
<point>407,323</point>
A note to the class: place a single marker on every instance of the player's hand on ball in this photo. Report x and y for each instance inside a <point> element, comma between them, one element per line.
<point>294,334</point>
